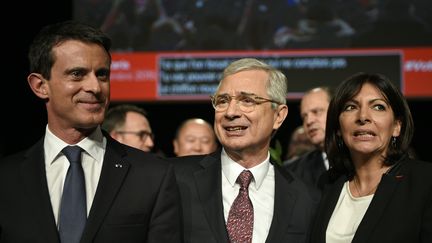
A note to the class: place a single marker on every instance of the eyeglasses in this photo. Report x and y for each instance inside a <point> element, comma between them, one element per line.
<point>143,135</point>
<point>245,101</point>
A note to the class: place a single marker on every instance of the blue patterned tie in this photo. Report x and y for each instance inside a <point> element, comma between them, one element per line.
<point>241,216</point>
<point>73,208</point>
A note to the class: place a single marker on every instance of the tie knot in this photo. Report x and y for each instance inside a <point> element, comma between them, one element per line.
<point>244,178</point>
<point>73,153</point>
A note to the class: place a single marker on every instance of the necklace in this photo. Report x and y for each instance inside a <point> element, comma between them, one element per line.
<point>357,188</point>
<point>372,191</point>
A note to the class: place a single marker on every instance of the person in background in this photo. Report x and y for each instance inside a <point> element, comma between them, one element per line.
<point>299,145</point>
<point>313,111</point>
<point>112,192</point>
<point>250,106</point>
<point>374,192</point>
<point>194,136</point>
<point>128,124</point>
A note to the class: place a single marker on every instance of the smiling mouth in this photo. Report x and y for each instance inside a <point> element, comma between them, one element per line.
<point>233,129</point>
<point>92,106</point>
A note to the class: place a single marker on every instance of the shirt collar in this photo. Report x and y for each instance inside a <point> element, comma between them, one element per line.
<point>325,159</point>
<point>231,170</point>
<point>94,145</point>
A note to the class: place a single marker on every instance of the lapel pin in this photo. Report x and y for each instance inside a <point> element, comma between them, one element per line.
<point>399,177</point>
<point>118,165</point>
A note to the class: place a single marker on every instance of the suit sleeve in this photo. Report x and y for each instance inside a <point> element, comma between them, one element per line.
<point>165,225</point>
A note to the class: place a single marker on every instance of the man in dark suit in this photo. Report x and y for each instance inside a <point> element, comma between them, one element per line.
<point>250,106</point>
<point>313,111</point>
<point>129,195</point>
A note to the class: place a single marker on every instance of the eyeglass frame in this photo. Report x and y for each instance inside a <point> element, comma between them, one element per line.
<point>143,135</point>
<point>258,100</point>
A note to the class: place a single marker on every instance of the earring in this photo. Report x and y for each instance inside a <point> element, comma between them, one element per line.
<point>339,142</point>
<point>393,142</point>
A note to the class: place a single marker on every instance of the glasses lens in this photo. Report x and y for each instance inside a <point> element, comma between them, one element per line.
<point>144,135</point>
<point>221,102</point>
<point>244,102</point>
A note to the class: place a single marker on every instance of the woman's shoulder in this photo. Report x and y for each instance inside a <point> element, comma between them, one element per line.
<point>415,169</point>
<point>418,164</point>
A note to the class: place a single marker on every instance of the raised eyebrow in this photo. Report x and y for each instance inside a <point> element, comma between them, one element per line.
<point>103,71</point>
<point>76,69</point>
<point>144,131</point>
<point>222,94</point>
<point>378,99</point>
<point>352,101</point>
<point>315,110</point>
<point>247,93</point>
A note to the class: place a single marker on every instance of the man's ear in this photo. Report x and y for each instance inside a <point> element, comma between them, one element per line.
<point>280,115</point>
<point>176,146</point>
<point>114,134</point>
<point>38,85</point>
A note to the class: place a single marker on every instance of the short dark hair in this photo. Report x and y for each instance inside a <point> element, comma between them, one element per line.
<point>116,116</point>
<point>41,58</point>
<point>337,153</point>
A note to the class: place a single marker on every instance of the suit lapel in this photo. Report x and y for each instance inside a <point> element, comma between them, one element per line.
<point>36,187</point>
<point>114,170</point>
<point>383,196</point>
<point>208,182</point>
<point>283,206</point>
<point>284,203</point>
<point>324,212</point>
<point>318,166</point>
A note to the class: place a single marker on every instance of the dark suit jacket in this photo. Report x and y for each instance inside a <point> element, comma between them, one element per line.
<point>199,179</point>
<point>400,211</point>
<point>308,167</point>
<point>135,202</point>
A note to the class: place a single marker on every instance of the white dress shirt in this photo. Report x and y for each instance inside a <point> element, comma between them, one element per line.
<point>347,215</point>
<point>56,165</point>
<point>325,159</point>
<point>261,193</point>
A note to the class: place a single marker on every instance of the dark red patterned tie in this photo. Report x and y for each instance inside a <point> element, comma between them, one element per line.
<point>241,216</point>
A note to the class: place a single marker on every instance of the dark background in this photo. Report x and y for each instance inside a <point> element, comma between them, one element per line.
<point>24,117</point>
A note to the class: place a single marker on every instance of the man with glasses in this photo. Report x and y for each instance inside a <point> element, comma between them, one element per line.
<point>128,124</point>
<point>237,194</point>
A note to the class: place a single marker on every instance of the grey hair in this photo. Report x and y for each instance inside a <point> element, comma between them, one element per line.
<point>277,86</point>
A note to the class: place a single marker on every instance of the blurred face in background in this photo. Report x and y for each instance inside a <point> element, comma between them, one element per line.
<point>135,132</point>
<point>195,137</point>
<point>313,111</point>
<point>299,143</point>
